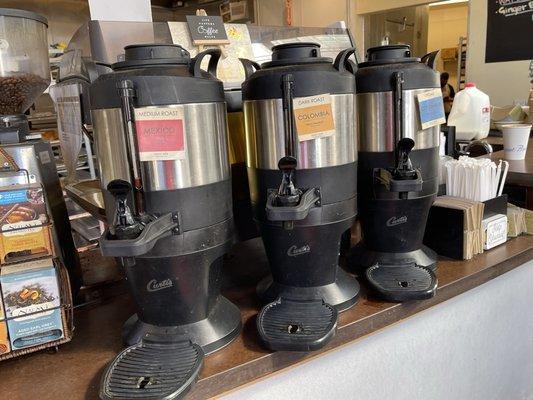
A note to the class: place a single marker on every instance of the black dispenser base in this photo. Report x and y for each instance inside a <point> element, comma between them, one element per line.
<point>303,318</point>
<point>398,276</point>
<point>156,368</point>
<point>341,294</point>
<point>212,333</point>
<point>296,325</point>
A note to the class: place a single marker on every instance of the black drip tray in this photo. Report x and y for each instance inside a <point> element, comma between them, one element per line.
<point>296,325</point>
<point>401,282</point>
<point>153,370</point>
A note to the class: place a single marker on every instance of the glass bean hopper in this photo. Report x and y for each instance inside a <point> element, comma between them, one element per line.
<point>24,69</point>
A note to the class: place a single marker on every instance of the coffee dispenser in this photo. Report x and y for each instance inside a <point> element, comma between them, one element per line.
<point>302,163</point>
<point>397,172</point>
<point>160,128</point>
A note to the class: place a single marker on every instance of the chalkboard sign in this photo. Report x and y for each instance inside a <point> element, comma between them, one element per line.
<point>509,30</point>
<point>206,30</point>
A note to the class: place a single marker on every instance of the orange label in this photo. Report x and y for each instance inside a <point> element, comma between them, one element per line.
<point>314,117</point>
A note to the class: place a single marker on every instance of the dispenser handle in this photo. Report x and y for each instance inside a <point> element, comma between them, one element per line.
<point>159,228</point>
<point>342,62</point>
<point>249,67</point>
<point>126,91</point>
<point>398,110</point>
<point>309,199</point>
<point>196,62</point>
<point>287,89</point>
<point>430,58</point>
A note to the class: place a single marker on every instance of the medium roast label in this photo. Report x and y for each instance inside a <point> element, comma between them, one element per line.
<point>313,116</point>
<point>160,133</point>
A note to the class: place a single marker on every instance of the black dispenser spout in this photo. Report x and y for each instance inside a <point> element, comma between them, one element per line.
<point>404,178</point>
<point>124,225</point>
<point>288,194</point>
<point>404,167</point>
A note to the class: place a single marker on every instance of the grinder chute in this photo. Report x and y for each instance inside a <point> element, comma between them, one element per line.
<point>302,212</point>
<point>161,135</point>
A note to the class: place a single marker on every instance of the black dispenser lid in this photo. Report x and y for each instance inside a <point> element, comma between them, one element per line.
<point>296,53</point>
<point>146,55</point>
<point>376,74</point>
<point>162,74</point>
<point>389,54</point>
<point>312,73</point>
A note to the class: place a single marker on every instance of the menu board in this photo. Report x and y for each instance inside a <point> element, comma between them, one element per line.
<point>509,30</point>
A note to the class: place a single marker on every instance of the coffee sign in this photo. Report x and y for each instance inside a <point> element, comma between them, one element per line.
<point>207,30</point>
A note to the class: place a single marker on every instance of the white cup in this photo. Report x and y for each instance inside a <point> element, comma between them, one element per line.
<point>515,138</point>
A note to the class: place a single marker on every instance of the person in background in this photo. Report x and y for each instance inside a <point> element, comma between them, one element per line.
<point>448,93</point>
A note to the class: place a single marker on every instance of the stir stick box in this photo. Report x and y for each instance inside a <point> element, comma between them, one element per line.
<point>455,226</point>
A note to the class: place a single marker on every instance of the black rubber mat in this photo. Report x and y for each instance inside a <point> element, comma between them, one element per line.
<point>402,282</point>
<point>153,370</point>
<point>296,325</point>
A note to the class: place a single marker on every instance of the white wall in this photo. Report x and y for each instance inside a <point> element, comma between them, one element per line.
<point>476,346</point>
<point>504,82</point>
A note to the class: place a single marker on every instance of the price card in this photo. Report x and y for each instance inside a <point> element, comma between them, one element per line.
<point>431,108</point>
<point>160,133</point>
<point>314,117</point>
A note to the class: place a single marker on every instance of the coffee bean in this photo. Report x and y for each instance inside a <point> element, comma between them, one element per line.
<point>18,92</point>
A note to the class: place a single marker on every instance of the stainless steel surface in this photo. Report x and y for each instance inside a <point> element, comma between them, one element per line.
<point>110,145</point>
<point>88,195</point>
<point>375,116</point>
<point>265,142</point>
<point>206,149</point>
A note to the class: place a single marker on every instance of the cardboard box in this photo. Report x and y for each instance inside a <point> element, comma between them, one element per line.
<point>22,203</point>
<point>24,229</point>
<point>29,287</point>
<point>35,329</point>
<point>4,338</point>
<point>25,240</point>
<point>31,296</point>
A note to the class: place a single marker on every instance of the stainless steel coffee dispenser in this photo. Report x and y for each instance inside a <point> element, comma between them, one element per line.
<point>397,173</point>
<point>302,166</point>
<point>160,128</point>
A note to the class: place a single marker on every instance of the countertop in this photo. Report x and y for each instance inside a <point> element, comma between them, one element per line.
<point>74,371</point>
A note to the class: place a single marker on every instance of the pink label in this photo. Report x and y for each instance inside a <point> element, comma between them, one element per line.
<point>160,139</point>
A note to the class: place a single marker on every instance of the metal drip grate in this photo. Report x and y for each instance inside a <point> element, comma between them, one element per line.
<point>153,370</point>
<point>296,325</point>
<point>402,282</point>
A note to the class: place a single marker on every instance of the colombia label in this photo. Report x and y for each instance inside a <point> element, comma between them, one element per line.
<point>314,117</point>
<point>160,133</point>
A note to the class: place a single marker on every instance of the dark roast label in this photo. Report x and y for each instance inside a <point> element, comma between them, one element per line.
<point>314,117</point>
<point>160,133</point>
